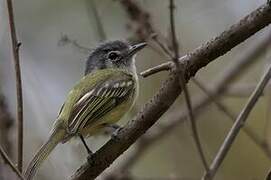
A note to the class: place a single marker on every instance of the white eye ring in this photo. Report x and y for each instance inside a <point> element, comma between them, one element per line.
<point>113,55</point>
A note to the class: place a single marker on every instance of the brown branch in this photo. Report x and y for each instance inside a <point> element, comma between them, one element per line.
<point>260,48</point>
<point>180,71</point>
<point>238,124</point>
<point>9,162</point>
<point>16,58</point>
<point>170,90</point>
<point>219,87</point>
<point>249,132</point>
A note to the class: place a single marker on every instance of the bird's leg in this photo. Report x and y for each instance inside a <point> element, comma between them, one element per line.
<point>90,153</point>
<point>85,144</point>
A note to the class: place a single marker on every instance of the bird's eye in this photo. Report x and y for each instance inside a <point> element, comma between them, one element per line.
<point>114,55</point>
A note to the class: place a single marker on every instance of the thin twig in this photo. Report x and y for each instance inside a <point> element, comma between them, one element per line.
<point>16,58</point>
<point>180,70</point>
<point>162,46</point>
<point>219,105</point>
<point>223,108</point>
<point>159,68</point>
<point>238,124</point>
<point>167,65</point>
<point>241,90</point>
<point>267,120</point>
<point>93,12</point>
<point>64,40</point>
<point>9,162</point>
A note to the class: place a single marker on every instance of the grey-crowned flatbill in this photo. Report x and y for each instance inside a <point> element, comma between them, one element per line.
<point>101,98</point>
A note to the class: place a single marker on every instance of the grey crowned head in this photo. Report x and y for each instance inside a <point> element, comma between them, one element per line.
<point>113,54</point>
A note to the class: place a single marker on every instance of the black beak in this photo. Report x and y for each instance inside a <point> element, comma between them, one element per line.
<point>135,48</point>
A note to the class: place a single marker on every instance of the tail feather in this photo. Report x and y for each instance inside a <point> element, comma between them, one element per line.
<point>43,153</point>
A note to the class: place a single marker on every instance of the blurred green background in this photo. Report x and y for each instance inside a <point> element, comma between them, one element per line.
<point>49,70</point>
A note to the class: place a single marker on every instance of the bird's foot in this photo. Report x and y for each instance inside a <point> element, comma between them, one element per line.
<point>112,129</point>
<point>90,158</point>
<point>109,129</point>
<point>114,135</point>
<point>90,153</point>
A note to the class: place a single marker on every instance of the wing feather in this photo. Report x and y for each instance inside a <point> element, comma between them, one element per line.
<point>98,101</point>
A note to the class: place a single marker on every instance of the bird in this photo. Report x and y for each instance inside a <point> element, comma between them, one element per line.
<point>105,93</point>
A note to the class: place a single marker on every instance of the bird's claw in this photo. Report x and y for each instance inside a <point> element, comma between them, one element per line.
<point>90,158</point>
<point>114,135</point>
